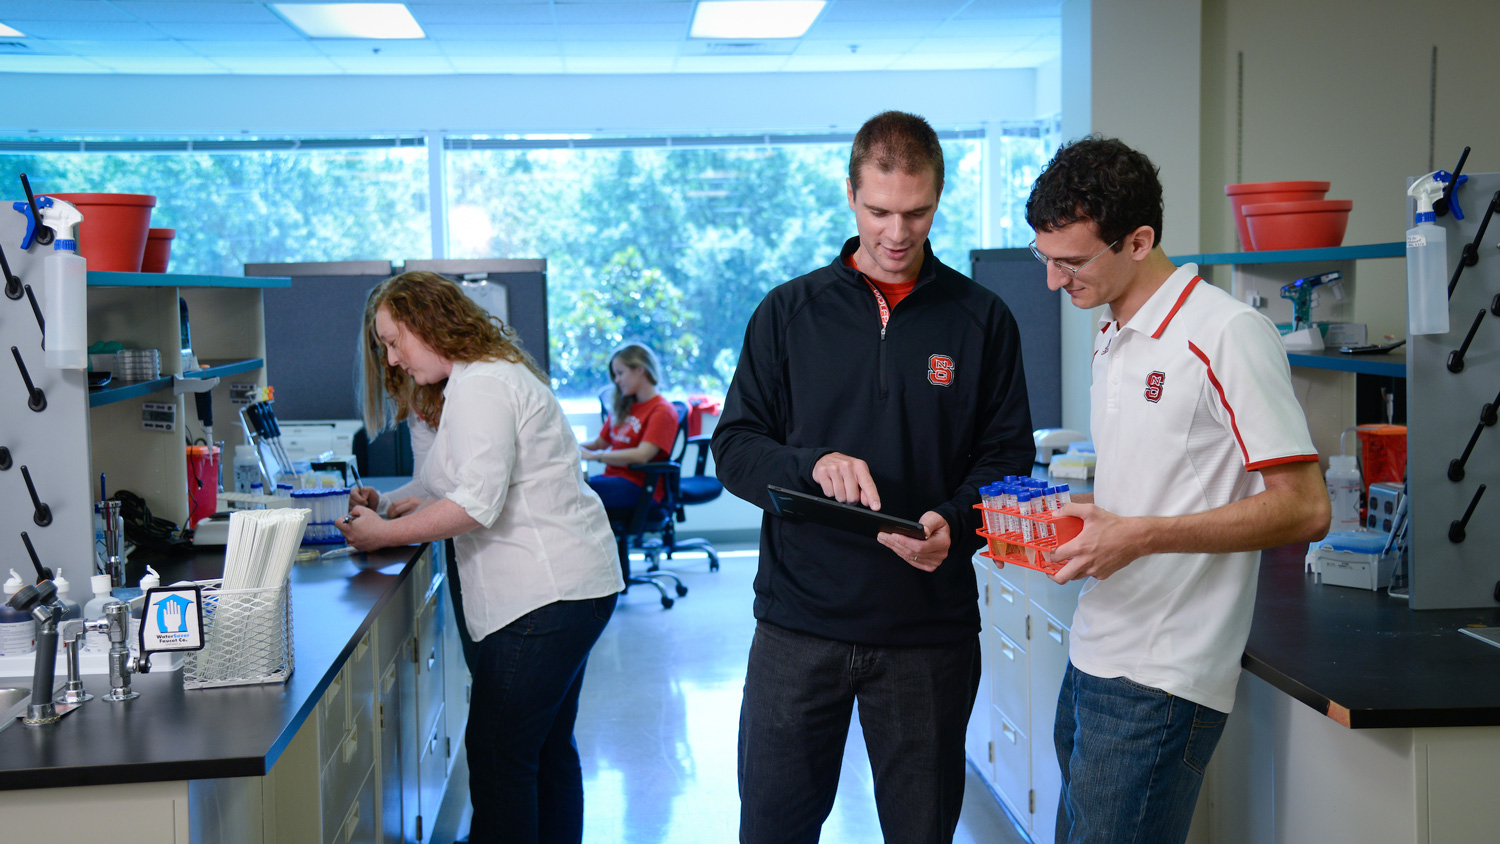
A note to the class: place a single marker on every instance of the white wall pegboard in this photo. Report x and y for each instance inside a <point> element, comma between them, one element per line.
<point>54,444</point>
<point>1455,564</point>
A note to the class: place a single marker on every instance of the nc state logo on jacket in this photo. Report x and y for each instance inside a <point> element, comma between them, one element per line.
<point>1154,383</point>
<point>940,370</point>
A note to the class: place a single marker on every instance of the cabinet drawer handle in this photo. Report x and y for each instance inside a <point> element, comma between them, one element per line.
<point>1008,594</point>
<point>359,649</point>
<point>432,658</point>
<point>1054,631</point>
<point>351,824</point>
<point>351,745</point>
<point>389,680</point>
<point>336,687</point>
<point>1008,650</point>
<point>1008,732</point>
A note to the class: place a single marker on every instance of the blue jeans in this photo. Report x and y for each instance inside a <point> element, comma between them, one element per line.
<point>1132,760</point>
<point>616,492</point>
<point>525,780</point>
<point>914,706</point>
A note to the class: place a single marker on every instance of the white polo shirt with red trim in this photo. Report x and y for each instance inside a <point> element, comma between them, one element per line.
<point>1188,400</point>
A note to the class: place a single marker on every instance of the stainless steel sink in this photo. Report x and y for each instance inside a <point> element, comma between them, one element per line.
<point>13,702</point>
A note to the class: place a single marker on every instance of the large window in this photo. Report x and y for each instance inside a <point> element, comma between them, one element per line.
<point>669,241</point>
<point>251,201</point>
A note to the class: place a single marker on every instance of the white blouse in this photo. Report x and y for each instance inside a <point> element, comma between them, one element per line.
<point>505,453</point>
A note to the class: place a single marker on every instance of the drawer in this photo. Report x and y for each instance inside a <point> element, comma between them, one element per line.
<point>432,769</point>
<point>360,670</point>
<point>429,657</point>
<point>1008,605</point>
<point>333,716</point>
<point>357,822</point>
<point>394,625</point>
<point>1059,600</point>
<point>982,568</point>
<point>1011,691</point>
<point>1012,766</point>
<point>347,771</point>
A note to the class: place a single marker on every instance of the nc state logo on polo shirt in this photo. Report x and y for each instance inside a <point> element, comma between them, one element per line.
<point>1154,383</point>
<point>940,370</point>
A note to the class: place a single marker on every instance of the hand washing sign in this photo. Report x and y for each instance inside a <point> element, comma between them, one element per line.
<point>172,619</point>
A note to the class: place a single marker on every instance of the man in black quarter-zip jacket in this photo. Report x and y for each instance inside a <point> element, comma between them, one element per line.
<point>891,380</point>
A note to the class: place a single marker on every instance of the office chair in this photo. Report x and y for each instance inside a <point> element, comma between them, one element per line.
<point>697,488</point>
<point>648,523</point>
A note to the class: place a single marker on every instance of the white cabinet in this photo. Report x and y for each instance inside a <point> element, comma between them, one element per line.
<point>1025,641</point>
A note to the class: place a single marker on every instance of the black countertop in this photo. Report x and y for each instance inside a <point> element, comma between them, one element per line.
<point>169,733</point>
<point>1366,659</point>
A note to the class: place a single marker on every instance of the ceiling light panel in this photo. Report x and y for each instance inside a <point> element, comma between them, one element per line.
<point>351,20</point>
<point>738,19</point>
<point>11,33</point>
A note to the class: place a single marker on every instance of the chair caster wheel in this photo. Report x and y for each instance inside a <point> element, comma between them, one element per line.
<point>681,590</point>
<point>666,603</point>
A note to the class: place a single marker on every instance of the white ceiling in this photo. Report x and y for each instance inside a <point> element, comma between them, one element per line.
<point>520,36</point>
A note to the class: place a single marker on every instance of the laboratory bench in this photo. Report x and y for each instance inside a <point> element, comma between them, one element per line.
<point>171,733</point>
<point>359,743</point>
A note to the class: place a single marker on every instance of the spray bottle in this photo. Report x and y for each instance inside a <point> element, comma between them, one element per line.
<point>1427,261</point>
<point>66,276</point>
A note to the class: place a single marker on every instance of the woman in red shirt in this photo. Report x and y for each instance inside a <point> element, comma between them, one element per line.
<point>642,427</point>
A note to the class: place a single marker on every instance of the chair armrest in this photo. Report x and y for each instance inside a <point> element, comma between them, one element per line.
<point>700,463</point>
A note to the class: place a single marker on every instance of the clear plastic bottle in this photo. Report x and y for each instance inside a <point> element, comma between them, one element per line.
<point>1344,488</point>
<point>71,608</point>
<point>96,642</point>
<point>1426,263</point>
<point>65,274</point>
<point>17,629</point>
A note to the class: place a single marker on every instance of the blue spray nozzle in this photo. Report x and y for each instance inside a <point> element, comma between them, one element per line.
<point>31,222</point>
<point>1450,195</point>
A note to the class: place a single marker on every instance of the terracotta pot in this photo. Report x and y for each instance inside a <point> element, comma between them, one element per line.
<point>158,250</point>
<point>112,236</point>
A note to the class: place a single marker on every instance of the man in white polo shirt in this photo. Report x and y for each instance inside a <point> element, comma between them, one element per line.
<point>1203,459</point>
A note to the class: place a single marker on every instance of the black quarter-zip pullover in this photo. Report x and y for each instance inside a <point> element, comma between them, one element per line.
<point>934,401</point>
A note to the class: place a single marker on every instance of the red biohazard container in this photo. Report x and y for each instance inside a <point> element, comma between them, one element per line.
<point>1013,548</point>
<point>1382,451</point>
<point>203,482</point>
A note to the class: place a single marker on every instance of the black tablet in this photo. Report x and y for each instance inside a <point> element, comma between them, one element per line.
<point>790,504</point>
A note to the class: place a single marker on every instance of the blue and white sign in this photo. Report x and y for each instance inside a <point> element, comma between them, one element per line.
<point>172,619</point>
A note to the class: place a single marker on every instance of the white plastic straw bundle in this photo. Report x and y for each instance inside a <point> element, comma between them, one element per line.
<point>261,547</point>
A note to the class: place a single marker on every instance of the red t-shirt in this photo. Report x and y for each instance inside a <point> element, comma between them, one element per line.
<point>894,291</point>
<point>653,421</point>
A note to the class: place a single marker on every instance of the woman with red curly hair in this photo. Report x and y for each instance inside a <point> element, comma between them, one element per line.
<point>534,548</point>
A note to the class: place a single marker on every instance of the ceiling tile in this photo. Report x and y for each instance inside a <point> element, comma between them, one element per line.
<point>59,10</point>
<point>619,64</point>
<point>839,31</point>
<point>605,49</point>
<point>139,49</point>
<point>229,32</point>
<point>944,61</point>
<point>890,11</point>
<point>729,64</point>
<point>499,49</point>
<point>482,13</point>
<point>490,32</point>
<point>502,64</point>
<point>888,46</point>
<point>980,27</point>
<point>279,66</point>
<point>161,65</point>
<point>862,61</point>
<point>199,12</point>
<point>1013,9</point>
<point>622,32</point>
<point>253,49</point>
<point>46,64</point>
<point>677,12</point>
<point>90,31</point>
<point>974,46</point>
<point>361,48</point>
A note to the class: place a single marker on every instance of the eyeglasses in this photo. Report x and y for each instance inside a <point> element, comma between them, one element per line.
<point>1071,272</point>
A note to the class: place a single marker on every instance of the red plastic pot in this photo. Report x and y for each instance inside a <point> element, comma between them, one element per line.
<point>1311,224</point>
<point>158,250</point>
<point>112,236</point>
<point>1253,193</point>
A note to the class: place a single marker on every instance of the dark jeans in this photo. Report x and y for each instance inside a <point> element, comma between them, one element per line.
<point>1132,760</point>
<point>617,493</point>
<point>525,781</point>
<point>914,706</point>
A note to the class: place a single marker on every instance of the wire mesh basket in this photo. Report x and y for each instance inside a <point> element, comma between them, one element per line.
<point>247,637</point>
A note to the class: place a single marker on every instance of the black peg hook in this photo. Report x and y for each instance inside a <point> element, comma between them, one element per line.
<point>4,458</point>
<point>1457,530</point>
<point>12,281</point>
<point>42,572</point>
<point>42,514</point>
<point>44,233</point>
<point>1456,358</point>
<point>1490,413</point>
<point>36,399</point>
<point>1456,466</point>
<point>41,321</point>
<point>1470,254</point>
